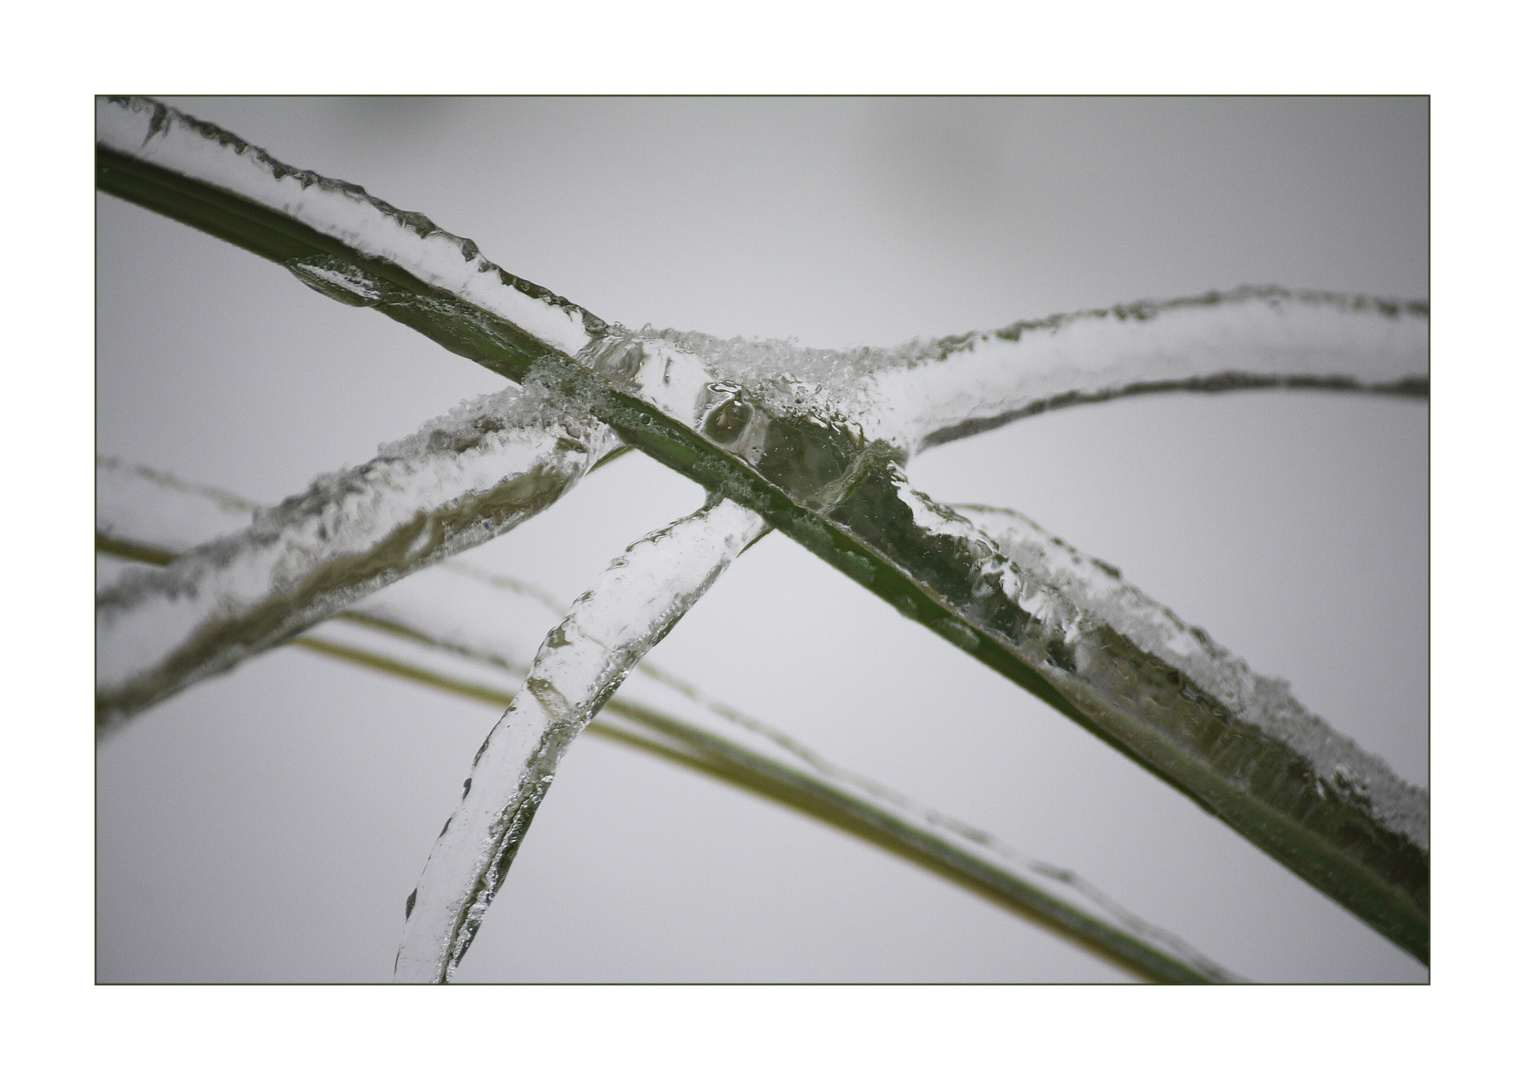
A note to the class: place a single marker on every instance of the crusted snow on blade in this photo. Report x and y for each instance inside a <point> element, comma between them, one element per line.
<point>458,482</point>
<point>582,662</point>
<point>1100,597</point>
<point>470,624</point>
<point>924,392</point>
<point>152,132</point>
<point>1250,337</point>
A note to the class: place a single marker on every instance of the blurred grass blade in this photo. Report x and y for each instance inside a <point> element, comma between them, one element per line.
<point>802,438</point>
<point>421,644</point>
<point>461,480</point>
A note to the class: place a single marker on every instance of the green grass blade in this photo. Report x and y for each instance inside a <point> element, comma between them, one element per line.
<point>462,480</point>
<point>824,483</point>
<point>779,770</point>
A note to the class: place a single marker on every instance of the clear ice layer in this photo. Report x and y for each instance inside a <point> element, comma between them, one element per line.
<point>927,392</point>
<point>151,132</point>
<point>1074,596</point>
<point>830,430</point>
<point>458,482</point>
<point>476,629</point>
<point>581,663</point>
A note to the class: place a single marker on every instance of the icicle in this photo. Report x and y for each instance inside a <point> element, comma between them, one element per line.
<point>461,480</point>
<point>609,628</point>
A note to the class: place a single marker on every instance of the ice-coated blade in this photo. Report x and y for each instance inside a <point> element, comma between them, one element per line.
<point>1251,337</point>
<point>1127,670</point>
<point>582,662</point>
<point>458,482</point>
<point>464,630</point>
<point>148,131</point>
<point>924,393</point>
<point>741,395</point>
<point>815,441</point>
<point>1087,595</point>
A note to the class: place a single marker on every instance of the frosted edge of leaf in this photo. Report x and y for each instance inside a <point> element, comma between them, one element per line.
<point>629,608</point>
<point>150,131</point>
<point>461,480</point>
<point>1080,592</point>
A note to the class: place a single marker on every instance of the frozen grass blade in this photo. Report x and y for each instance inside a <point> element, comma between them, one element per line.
<point>924,393</point>
<point>420,643</point>
<point>460,481</point>
<point>801,443</point>
<point>1237,744</point>
<point>1090,598</point>
<point>1248,338</point>
<point>609,628</point>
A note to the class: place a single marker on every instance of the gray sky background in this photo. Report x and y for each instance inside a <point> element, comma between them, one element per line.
<point>267,825</point>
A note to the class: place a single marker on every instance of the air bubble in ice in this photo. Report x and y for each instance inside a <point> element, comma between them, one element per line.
<point>726,423</point>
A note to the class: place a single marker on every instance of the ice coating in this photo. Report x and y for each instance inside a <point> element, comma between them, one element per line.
<point>908,397</point>
<point>152,132</point>
<point>926,392</point>
<point>1247,338</point>
<point>1064,612</point>
<point>824,432</point>
<point>458,482</point>
<point>471,628</point>
<point>607,631</point>
<point>1248,754</point>
<point>1081,594</point>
